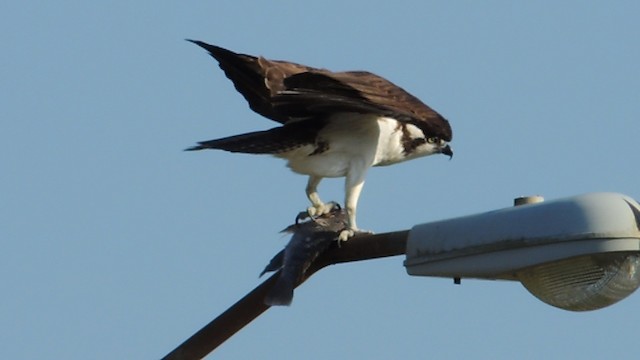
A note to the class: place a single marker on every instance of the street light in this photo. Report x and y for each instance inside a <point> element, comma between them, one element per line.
<point>579,253</point>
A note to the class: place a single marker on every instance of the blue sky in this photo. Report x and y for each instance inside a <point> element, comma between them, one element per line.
<point>119,245</point>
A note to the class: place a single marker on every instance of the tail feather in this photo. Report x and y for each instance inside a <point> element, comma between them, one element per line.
<point>274,141</point>
<point>258,142</point>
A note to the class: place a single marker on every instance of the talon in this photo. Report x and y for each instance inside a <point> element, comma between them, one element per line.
<point>321,209</point>
<point>345,235</point>
<point>311,210</point>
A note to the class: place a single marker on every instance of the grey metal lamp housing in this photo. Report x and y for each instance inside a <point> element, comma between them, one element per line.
<point>579,253</point>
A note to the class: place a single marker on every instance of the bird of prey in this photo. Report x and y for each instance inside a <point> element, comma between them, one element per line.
<point>332,124</point>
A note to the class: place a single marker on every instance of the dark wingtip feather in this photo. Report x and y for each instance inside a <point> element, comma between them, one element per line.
<point>197,42</point>
<point>195,148</point>
<point>202,44</point>
<point>215,51</point>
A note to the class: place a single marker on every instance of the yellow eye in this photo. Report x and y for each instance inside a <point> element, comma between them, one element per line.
<point>433,140</point>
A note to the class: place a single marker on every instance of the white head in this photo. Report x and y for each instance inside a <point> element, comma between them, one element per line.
<point>416,143</point>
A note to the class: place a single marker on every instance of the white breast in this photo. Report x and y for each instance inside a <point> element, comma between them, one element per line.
<point>354,141</point>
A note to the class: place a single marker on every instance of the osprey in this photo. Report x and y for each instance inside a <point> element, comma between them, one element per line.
<point>333,124</point>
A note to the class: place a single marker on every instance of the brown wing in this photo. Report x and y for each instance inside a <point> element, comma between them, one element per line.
<point>284,91</point>
<point>256,78</point>
<point>316,92</point>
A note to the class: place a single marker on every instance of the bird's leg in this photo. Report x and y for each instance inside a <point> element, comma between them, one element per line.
<point>353,187</point>
<point>317,207</point>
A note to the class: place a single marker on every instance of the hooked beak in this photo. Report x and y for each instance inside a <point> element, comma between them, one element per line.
<point>447,151</point>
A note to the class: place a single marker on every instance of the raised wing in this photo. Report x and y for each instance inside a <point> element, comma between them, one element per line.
<point>285,91</point>
<point>256,78</point>
<point>316,92</point>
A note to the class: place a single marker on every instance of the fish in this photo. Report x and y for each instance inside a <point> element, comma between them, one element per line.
<point>311,237</point>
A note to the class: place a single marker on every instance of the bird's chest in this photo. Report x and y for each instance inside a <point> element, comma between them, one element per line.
<point>348,143</point>
<point>390,148</point>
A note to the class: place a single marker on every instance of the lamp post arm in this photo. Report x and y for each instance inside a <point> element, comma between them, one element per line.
<point>212,335</point>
